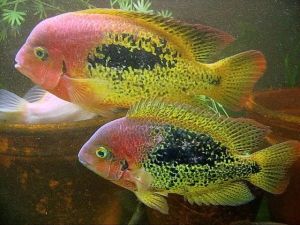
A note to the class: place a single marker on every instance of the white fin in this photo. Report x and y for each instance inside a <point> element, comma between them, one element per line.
<point>232,195</point>
<point>35,94</point>
<point>153,200</point>
<point>10,102</point>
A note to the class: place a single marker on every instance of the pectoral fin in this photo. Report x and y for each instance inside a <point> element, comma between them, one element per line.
<point>153,200</point>
<point>232,195</point>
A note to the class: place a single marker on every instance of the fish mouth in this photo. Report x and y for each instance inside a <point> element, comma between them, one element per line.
<point>17,66</point>
<point>20,68</point>
<point>26,72</point>
<point>83,162</point>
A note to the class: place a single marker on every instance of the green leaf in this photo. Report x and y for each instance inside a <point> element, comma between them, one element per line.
<point>13,17</point>
<point>165,13</point>
<point>143,6</point>
<point>213,105</point>
<point>3,35</point>
<point>3,3</point>
<point>113,3</point>
<point>125,4</point>
<point>39,9</point>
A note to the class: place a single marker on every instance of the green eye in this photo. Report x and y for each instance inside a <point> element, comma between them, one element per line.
<point>102,153</point>
<point>41,53</point>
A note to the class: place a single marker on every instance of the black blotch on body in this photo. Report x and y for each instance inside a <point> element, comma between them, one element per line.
<point>184,147</point>
<point>255,168</point>
<point>121,58</point>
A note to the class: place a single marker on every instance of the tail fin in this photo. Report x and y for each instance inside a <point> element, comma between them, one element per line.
<point>11,106</point>
<point>238,73</point>
<point>274,162</point>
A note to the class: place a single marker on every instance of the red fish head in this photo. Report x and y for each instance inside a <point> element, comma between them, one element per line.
<point>115,150</point>
<point>59,46</point>
<point>39,59</point>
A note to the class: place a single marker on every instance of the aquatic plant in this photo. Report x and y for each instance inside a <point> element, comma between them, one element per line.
<point>143,6</point>
<point>292,67</point>
<point>139,6</point>
<point>164,13</point>
<point>14,13</point>
<point>212,105</point>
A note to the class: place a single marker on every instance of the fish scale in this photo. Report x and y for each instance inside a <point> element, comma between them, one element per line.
<point>106,59</point>
<point>195,159</point>
<point>193,152</point>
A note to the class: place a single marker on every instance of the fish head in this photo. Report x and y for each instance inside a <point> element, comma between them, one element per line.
<point>101,160</point>
<point>59,46</point>
<point>114,151</point>
<point>39,59</point>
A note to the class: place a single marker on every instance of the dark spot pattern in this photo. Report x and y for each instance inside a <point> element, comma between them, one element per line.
<point>121,57</point>
<point>185,158</point>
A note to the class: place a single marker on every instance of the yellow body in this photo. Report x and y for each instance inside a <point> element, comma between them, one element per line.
<point>225,177</point>
<point>143,56</point>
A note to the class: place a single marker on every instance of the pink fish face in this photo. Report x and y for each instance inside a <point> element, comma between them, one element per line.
<point>40,64</point>
<point>39,58</point>
<point>116,150</point>
<point>56,47</point>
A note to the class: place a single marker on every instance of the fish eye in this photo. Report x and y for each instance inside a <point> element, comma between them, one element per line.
<point>102,153</point>
<point>41,53</point>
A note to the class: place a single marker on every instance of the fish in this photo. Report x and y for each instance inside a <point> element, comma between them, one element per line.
<point>108,59</point>
<point>162,148</point>
<point>39,106</point>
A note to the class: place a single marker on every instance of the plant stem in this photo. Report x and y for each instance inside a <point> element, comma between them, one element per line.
<point>137,215</point>
<point>50,6</point>
<point>14,2</point>
<point>16,5</point>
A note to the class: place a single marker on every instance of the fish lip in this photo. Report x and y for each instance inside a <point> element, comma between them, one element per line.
<point>17,66</point>
<point>86,164</point>
<point>21,69</point>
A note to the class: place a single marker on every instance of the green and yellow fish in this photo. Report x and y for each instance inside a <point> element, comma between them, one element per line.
<point>105,59</point>
<point>161,148</point>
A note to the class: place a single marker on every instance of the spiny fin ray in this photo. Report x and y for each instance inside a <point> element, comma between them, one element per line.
<point>200,40</point>
<point>229,131</point>
<point>153,200</point>
<point>232,195</point>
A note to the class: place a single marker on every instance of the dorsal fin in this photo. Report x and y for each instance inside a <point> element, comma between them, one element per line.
<point>243,135</point>
<point>35,94</point>
<point>199,42</point>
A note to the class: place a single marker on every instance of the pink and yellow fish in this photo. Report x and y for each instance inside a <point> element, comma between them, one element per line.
<point>105,59</point>
<point>162,148</point>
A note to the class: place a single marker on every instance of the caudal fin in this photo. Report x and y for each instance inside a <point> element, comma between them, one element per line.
<point>238,75</point>
<point>11,106</point>
<point>274,163</point>
<point>10,102</point>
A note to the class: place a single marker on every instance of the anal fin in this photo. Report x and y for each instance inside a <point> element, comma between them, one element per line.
<point>153,200</point>
<point>231,195</point>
